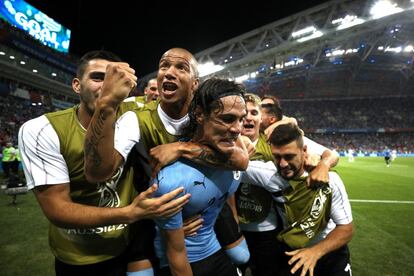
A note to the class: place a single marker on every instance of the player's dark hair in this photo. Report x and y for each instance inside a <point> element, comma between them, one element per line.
<point>207,97</point>
<point>97,54</point>
<point>285,134</point>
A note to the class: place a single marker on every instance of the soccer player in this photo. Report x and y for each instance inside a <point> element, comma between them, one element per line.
<point>177,80</point>
<point>216,115</point>
<point>257,214</point>
<point>89,222</point>
<point>387,156</point>
<point>318,221</point>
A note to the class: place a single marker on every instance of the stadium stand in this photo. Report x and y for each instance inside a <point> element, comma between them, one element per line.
<point>344,69</point>
<point>349,87</point>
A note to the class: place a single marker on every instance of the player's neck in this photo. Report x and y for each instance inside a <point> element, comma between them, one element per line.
<point>83,115</point>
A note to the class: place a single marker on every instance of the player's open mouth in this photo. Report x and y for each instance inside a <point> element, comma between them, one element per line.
<point>169,88</point>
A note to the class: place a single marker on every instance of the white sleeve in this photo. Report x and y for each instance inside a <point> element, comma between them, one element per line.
<point>127,133</point>
<point>39,147</point>
<point>341,208</point>
<point>314,147</point>
<point>264,174</point>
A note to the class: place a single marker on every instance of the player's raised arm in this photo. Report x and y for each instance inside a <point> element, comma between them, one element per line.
<point>101,158</point>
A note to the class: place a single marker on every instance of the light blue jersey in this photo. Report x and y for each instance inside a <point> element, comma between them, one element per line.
<point>209,189</point>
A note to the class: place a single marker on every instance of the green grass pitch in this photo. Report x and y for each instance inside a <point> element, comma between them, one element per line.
<point>382,200</point>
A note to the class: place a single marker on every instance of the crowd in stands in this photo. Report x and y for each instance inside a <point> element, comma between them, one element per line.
<point>14,112</point>
<point>367,143</point>
<point>391,112</point>
<point>360,118</point>
<point>311,115</point>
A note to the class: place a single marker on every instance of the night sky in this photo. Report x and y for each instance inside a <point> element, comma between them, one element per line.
<point>141,31</point>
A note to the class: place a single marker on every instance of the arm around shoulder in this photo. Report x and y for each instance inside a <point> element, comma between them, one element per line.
<point>60,210</point>
<point>199,153</point>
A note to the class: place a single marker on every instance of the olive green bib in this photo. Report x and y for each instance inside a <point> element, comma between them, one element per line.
<point>87,246</point>
<point>307,212</point>
<point>253,202</point>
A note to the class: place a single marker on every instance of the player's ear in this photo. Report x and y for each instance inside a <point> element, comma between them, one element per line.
<point>76,85</point>
<point>305,151</point>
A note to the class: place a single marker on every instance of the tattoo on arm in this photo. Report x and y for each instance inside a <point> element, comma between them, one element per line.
<point>91,145</point>
<point>212,158</point>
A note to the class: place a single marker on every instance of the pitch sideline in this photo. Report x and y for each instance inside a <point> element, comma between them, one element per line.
<point>382,201</point>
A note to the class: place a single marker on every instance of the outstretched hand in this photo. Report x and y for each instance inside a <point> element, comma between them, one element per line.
<point>305,258</point>
<point>145,206</point>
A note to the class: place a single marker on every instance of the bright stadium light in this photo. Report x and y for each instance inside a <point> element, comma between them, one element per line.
<point>209,68</point>
<point>294,61</point>
<point>409,48</point>
<point>2,53</point>
<point>384,8</point>
<point>241,78</point>
<point>341,52</point>
<point>312,36</point>
<point>393,49</point>
<point>347,22</point>
<point>22,62</point>
<point>304,31</point>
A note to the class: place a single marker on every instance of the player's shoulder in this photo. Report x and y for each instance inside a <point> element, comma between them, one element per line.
<point>174,175</point>
<point>335,181</point>
<point>35,124</point>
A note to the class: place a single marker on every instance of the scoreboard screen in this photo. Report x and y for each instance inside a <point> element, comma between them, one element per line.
<point>26,17</point>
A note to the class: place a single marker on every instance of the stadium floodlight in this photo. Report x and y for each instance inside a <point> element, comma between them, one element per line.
<point>409,48</point>
<point>11,57</point>
<point>316,34</point>
<point>293,62</point>
<point>241,78</point>
<point>341,52</point>
<point>351,51</point>
<point>393,49</point>
<point>384,8</point>
<point>34,71</point>
<point>209,68</point>
<point>22,62</point>
<point>347,22</point>
<point>2,53</point>
<point>304,31</point>
<point>54,74</point>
